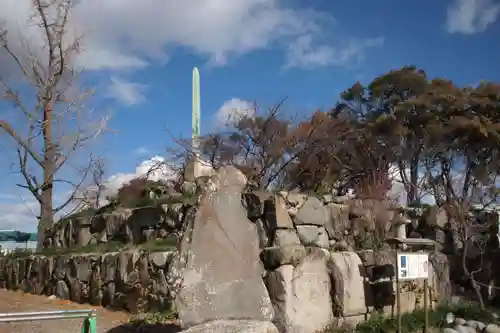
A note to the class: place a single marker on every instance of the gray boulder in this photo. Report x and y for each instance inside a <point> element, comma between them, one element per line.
<point>313,212</point>
<point>491,328</point>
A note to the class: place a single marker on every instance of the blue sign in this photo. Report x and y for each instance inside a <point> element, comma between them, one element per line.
<point>403,262</point>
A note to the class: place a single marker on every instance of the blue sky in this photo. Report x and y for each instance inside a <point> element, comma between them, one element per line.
<point>139,58</point>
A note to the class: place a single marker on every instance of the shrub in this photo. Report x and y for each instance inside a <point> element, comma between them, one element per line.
<point>139,192</point>
<point>163,317</point>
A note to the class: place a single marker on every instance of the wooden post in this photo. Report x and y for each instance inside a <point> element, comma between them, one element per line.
<point>426,306</point>
<point>398,297</point>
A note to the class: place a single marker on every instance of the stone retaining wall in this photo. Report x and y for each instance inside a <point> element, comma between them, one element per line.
<point>337,286</point>
<point>138,281</point>
<point>285,257</point>
<point>130,280</point>
<point>321,221</point>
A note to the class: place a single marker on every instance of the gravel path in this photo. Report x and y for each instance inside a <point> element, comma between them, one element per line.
<point>107,321</point>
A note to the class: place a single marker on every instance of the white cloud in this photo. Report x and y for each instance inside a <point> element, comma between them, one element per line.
<point>141,151</point>
<point>127,93</point>
<point>471,16</point>
<point>302,52</point>
<point>18,216</point>
<point>154,168</point>
<point>233,110</point>
<point>130,34</point>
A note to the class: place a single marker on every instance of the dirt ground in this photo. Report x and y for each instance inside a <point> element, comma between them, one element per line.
<point>107,321</point>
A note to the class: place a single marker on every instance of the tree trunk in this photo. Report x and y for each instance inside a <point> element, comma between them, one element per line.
<point>47,190</point>
<point>46,215</point>
<point>477,292</point>
<point>413,195</point>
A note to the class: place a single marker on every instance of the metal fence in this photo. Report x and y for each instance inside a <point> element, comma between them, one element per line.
<point>89,317</point>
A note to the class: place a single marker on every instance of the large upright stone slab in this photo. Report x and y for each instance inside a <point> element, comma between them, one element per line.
<point>301,295</point>
<point>349,289</point>
<point>222,277</point>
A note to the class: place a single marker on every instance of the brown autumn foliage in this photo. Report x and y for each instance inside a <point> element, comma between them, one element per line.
<point>402,119</point>
<point>263,147</point>
<point>137,191</point>
<point>441,139</point>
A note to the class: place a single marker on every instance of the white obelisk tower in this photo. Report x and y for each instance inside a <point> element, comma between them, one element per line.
<point>196,113</point>
<point>195,125</point>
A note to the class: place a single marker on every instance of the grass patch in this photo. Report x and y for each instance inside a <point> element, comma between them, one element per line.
<point>19,253</point>
<point>414,322</point>
<point>111,246</point>
<point>166,244</point>
<point>159,245</point>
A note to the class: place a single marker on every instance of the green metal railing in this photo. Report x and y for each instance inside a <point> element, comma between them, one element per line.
<point>89,324</point>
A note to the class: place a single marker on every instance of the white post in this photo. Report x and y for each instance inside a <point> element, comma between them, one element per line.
<point>400,227</point>
<point>196,122</point>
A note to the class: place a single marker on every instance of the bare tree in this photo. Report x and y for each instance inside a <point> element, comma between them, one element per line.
<point>51,125</point>
<point>92,194</point>
<point>462,192</point>
<point>98,183</point>
<point>263,146</point>
<point>474,238</point>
